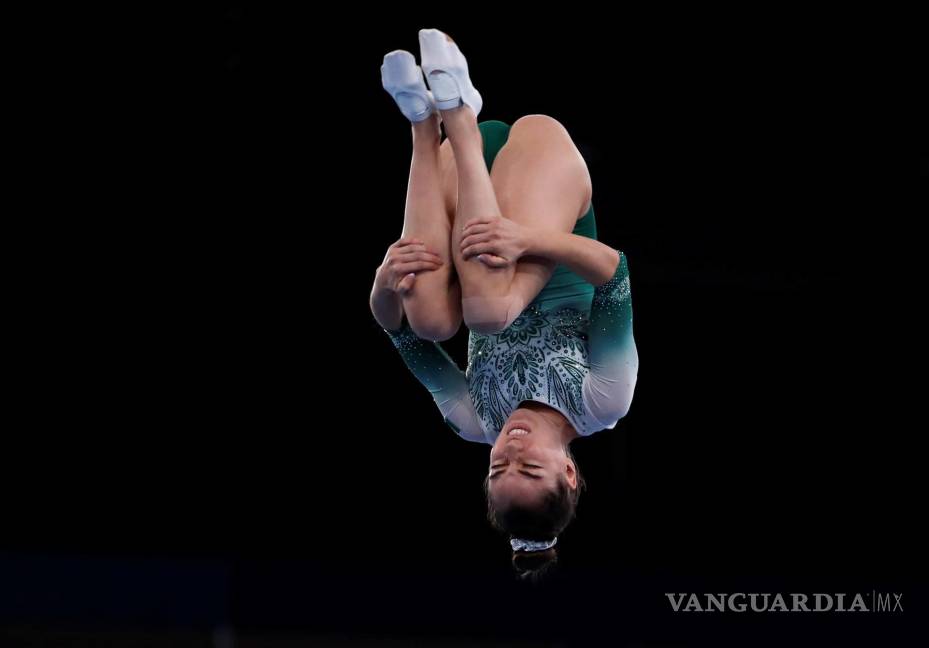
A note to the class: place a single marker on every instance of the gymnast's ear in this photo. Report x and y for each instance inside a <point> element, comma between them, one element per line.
<point>571,473</point>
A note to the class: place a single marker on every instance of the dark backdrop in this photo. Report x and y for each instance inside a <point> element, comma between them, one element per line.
<point>217,403</point>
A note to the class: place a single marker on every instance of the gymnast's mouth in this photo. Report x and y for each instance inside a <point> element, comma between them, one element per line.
<point>517,431</point>
<point>516,428</point>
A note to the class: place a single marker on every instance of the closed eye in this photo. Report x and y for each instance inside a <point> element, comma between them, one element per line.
<point>522,472</point>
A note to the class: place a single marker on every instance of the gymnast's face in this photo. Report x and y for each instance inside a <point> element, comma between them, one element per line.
<point>527,460</point>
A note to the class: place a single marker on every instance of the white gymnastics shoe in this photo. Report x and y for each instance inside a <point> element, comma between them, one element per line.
<point>446,71</point>
<point>403,80</point>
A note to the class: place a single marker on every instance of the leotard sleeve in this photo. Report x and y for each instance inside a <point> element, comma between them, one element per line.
<point>439,374</point>
<point>612,353</point>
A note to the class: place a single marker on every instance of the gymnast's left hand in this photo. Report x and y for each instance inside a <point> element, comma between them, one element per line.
<point>496,242</point>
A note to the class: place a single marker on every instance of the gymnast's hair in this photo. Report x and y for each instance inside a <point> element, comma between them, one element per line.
<point>542,522</point>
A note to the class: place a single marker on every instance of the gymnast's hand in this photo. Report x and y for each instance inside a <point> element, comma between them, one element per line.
<point>403,260</point>
<point>496,242</point>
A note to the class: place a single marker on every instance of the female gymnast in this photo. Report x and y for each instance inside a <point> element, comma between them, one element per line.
<point>499,232</point>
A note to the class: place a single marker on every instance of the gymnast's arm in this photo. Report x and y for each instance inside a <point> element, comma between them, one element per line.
<point>428,362</point>
<point>439,374</point>
<point>590,259</point>
<point>499,241</point>
<point>611,351</point>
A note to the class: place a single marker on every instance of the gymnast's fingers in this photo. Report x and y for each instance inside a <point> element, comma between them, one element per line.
<point>492,260</point>
<point>407,257</point>
<point>472,239</point>
<point>416,266</point>
<point>407,240</point>
<point>476,227</point>
<point>478,248</point>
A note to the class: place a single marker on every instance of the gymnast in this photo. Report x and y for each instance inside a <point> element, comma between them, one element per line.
<point>499,233</point>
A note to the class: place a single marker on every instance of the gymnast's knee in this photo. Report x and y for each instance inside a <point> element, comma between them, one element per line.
<point>489,315</point>
<point>436,327</point>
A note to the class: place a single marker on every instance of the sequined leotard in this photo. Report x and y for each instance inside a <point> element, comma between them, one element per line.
<point>583,364</point>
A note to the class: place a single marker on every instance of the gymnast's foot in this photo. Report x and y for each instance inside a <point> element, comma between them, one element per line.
<point>446,71</point>
<point>403,80</point>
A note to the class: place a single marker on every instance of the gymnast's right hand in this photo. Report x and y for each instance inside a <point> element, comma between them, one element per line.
<point>403,260</point>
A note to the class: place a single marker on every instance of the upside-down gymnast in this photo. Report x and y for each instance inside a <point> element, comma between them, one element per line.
<point>499,232</point>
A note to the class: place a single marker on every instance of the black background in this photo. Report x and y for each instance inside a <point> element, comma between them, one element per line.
<point>217,433</point>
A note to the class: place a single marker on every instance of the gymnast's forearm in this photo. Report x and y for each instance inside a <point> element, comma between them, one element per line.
<point>596,262</point>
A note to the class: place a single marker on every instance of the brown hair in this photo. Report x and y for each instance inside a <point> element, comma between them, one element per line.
<point>544,521</point>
